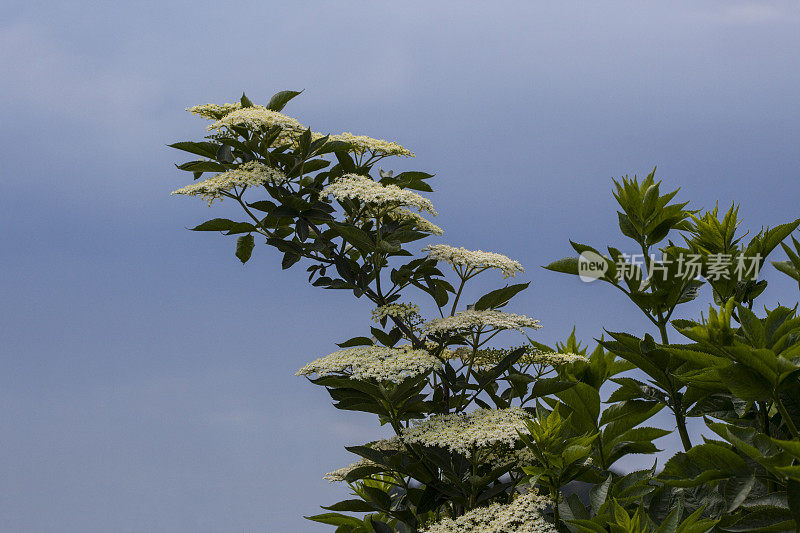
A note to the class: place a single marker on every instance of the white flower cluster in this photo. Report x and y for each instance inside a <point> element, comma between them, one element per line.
<point>373,362</point>
<point>251,173</point>
<point>473,260</point>
<point>213,111</point>
<point>389,444</point>
<point>462,432</point>
<point>523,515</point>
<point>487,357</point>
<point>487,319</point>
<point>519,458</point>
<point>362,144</point>
<point>400,310</point>
<point>258,117</point>
<point>369,191</point>
<point>557,359</point>
<point>420,223</point>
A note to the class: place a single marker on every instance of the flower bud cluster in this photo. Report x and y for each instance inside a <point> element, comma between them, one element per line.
<point>487,357</point>
<point>420,223</point>
<point>399,310</point>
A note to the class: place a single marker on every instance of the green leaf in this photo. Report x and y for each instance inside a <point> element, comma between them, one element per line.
<point>548,386</point>
<point>568,265</point>
<point>244,247</point>
<point>627,228</point>
<point>202,166</point>
<point>204,149</point>
<point>336,519</point>
<point>379,526</point>
<point>499,297</point>
<point>223,224</point>
<point>355,341</point>
<point>280,99</point>
<point>379,497</point>
<point>246,101</point>
<point>737,490</point>
<point>355,236</point>
<point>752,326</point>
<point>263,205</point>
<point>289,259</point>
<point>584,400</point>
<point>703,463</point>
<point>353,506</point>
<point>787,268</point>
<point>745,383</point>
<point>383,337</point>
<point>670,525</point>
<point>598,494</point>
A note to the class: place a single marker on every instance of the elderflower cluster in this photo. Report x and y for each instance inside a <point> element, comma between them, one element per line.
<point>519,458</point>
<point>522,515</point>
<point>558,359</point>
<point>486,319</point>
<point>251,173</point>
<point>390,444</point>
<point>362,144</point>
<point>487,357</point>
<point>369,191</point>
<point>473,260</point>
<point>400,310</point>
<point>373,362</point>
<point>213,111</point>
<point>463,432</point>
<point>257,117</point>
<point>420,223</point>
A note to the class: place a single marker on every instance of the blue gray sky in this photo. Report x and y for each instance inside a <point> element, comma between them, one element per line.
<point>146,377</point>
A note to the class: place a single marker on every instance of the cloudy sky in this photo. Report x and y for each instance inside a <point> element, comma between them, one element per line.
<point>146,377</point>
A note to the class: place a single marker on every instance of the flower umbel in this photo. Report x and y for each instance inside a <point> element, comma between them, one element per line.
<point>419,222</point>
<point>523,515</point>
<point>373,362</point>
<point>489,319</point>
<point>256,118</point>
<point>213,111</point>
<point>247,174</point>
<point>400,310</point>
<point>463,432</point>
<point>470,260</point>
<point>488,357</point>
<point>377,147</point>
<point>369,191</point>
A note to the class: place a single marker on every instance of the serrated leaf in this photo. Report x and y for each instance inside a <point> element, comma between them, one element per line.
<point>244,247</point>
